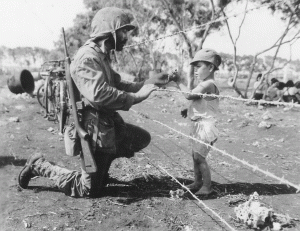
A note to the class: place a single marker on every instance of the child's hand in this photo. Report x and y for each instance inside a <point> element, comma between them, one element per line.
<point>184,112</point>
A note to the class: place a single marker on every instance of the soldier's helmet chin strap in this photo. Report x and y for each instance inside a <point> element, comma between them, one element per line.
<point>114,34</point>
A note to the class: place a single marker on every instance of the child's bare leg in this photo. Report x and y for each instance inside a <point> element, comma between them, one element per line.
<point>196,185</point>
<point>204,169</point>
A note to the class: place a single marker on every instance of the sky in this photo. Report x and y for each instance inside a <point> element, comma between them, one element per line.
<point>39,22</point>
<point>259,31</point>
<point>36,22</point>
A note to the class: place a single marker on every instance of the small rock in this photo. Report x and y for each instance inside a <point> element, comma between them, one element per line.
<point>20,107</point>
<point>248,114</point>
<point>256,143</point>
<point>229,120</point>
<point>269,139</point>
<point>260,107</point>
<point>266,155</point>
<point>51,129</point>
<point>281,140</point>
<point>172,99</point>
<point>14,119</point>
<point>243,124</point>
<point>164,110</point>
<point>12,136</point>
<point>267,115</point>
<point>26,224</point>
<point>182,124</point>
<point>176,194</point>
<point>264,124</point>
<point>286,109</point>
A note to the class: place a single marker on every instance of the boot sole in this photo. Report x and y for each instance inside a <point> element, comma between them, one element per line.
<point>28,165</point>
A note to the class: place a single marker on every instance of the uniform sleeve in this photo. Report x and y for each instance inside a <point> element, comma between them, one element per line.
<point>92,84</point>
<point>127,86</point>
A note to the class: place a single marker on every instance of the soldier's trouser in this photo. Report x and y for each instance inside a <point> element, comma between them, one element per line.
<point>82,184</point>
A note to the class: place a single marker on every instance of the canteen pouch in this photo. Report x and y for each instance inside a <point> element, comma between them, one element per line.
<point>72,141</point>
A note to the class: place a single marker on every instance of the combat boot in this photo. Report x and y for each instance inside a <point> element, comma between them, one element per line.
<point>27,172</point>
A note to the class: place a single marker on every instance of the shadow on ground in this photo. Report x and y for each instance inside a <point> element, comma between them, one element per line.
<point>10,160</point>
<point>140,189</point>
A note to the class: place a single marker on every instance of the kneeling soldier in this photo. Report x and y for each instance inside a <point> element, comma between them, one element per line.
<point>103,94</point>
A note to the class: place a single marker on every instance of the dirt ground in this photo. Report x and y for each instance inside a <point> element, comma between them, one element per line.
<point>139,198</point>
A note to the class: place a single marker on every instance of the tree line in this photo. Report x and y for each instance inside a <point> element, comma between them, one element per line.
<point>158,18</point>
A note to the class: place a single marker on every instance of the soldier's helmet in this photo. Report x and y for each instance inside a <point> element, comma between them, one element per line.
<point>107,20</point>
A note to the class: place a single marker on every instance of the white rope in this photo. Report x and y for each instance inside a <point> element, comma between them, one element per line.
<point>235,98</point>
<point>200,26</point>
<point>200,201</point>
<point>255,168</point>
<point>161,169</point>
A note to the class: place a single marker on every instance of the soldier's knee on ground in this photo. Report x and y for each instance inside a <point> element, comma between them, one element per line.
<point>147,139</point>
<point>144,139</point>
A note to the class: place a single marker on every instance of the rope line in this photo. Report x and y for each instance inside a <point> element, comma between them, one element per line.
<point>255,168</point>
<point>200,201</point>
<point>162,170</point>
<point>235,98</point>
<point>200,26</point>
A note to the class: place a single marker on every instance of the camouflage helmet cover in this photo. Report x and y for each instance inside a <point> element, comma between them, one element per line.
<point>207,55</point>
<point>109,19</point>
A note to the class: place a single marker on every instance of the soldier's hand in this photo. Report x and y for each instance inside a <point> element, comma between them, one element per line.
<point>184,112</point>
<point>144,93</point>
<point>158,79</point>
<point>174,76</point>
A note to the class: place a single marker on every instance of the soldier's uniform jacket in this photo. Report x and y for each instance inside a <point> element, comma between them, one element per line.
<point>100,85</point>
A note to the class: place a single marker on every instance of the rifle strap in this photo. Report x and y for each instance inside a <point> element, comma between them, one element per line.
<point>96,131</point>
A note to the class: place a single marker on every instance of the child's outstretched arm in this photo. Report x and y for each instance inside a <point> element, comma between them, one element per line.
<point>205,87</point>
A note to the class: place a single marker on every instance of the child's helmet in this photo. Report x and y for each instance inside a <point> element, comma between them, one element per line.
<point>207,55</point>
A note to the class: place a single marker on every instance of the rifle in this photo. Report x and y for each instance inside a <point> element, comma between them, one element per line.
<point>87,157</point>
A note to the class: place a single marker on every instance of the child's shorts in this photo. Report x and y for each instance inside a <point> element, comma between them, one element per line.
<point>204,130</point>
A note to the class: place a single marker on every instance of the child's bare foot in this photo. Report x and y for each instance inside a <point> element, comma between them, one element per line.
<point>204,191</point>
<point>194,186</point>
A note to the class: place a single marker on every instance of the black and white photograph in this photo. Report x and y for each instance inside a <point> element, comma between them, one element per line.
<point>135,115</point>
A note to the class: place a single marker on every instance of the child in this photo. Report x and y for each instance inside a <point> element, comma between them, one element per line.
<point>297,94</point>
<point>289,92</point>
<point>271,92</point>
<point>202,113</point>
<point>259,88</point>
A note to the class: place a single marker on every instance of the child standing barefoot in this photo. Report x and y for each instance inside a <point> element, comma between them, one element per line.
<point>202,112</point>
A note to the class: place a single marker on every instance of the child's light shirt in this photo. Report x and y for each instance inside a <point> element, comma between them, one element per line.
<point>203,114</point>
<point>204,109</point>
<point>260,87</point>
